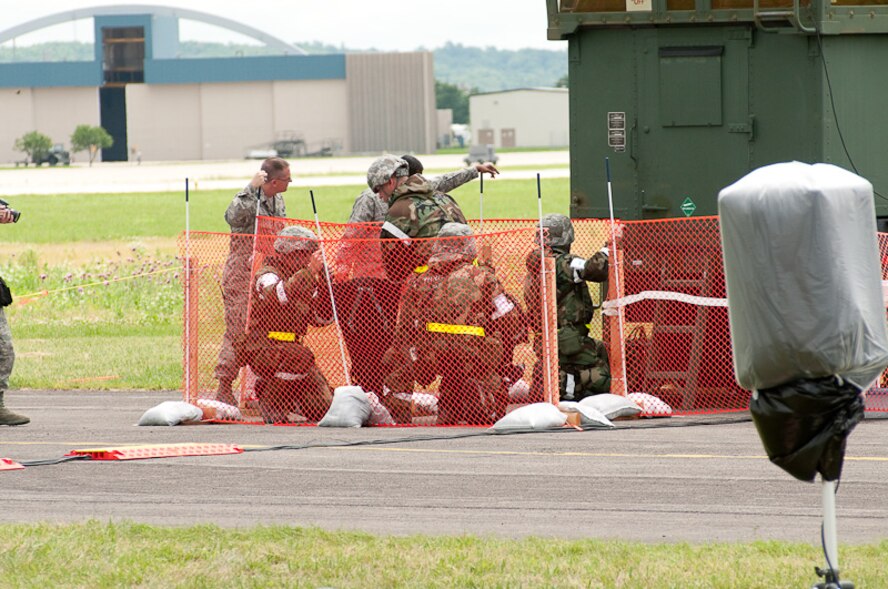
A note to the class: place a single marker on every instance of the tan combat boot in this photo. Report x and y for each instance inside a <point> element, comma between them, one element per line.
<point>7,417</point>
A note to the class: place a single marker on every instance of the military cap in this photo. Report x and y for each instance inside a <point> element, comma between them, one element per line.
<point>383,168</point>
<point>560,230</point>
<point>302,239</point>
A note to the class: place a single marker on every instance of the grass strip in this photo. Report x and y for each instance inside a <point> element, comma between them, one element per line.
<point>94,554</point>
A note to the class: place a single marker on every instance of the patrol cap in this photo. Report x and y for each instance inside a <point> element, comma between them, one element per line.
<point>304,240</point>
<point>383,168</point>
<point>459,247</point>
<point>560,230</point>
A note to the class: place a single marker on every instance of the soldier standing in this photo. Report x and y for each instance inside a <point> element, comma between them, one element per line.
<point>7,352</point>
<point>262,196</point>
<point>287,301</point>
<point>372,204</point>
<point>583,368</point>
<point>416,211</point>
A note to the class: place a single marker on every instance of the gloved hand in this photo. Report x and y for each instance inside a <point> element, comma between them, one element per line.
<point>259,179</point>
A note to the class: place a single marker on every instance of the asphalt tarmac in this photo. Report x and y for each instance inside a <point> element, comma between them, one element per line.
<point>703,479</point>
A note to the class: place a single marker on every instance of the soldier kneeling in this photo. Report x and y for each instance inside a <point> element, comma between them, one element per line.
<point>286,300</point>
<point>453,322</point>
<point>582,360</point>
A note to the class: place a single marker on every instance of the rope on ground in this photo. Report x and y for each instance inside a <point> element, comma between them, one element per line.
<point>24,299</point>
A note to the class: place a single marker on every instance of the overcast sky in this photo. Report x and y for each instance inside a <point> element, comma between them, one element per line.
<point>391,25</point>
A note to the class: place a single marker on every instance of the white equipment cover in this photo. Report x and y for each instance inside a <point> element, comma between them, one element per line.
<point>803,276</point>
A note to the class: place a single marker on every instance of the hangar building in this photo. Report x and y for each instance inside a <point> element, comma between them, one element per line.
<point>523,117</point>
<point>172,108</point>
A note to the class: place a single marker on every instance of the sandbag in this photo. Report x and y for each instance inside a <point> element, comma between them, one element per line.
<point>538,416</point>
<point>803,276</point>
<point>612,406</point>
<point>350,408</point>
<point>650,405</point>
<point>379,415</point>
<point>214,409</point>
<point>171,413</point>
<point>589,417</point>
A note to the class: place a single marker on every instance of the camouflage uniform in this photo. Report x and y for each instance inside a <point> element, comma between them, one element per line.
<point>416,210</point>
<point>7,359</point>
<point>583,367</point>
<point>454,320</point>
<point>369,207</point>
<point>241,216</point>
<point>286,302</point>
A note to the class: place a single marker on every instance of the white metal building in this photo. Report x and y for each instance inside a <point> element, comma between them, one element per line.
<point>524,117</point>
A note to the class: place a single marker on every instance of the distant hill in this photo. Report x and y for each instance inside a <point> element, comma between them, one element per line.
<point>486,69</point>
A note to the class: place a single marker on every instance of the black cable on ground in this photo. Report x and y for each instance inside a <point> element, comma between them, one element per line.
<point>634,424</point>
<point>51,461</point>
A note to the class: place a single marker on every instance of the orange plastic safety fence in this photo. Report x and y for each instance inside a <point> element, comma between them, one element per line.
<point>438,331</point>
<point>674,311</point>
<point>877,396</point>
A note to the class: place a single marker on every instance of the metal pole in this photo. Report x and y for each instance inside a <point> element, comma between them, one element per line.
<point>545,311</point>
<point>616,264</point>
<point>330,289</point>
<point>481,205</point>
<point>830,536</point>
<point>188,391</point>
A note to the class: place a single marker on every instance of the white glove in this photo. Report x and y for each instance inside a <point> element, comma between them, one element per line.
<point>520,390</point>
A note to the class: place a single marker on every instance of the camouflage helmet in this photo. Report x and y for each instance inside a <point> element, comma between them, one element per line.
<point>305,240</point>
<point>453,247</point>
<point>383,168</point>
<point>560,230</point>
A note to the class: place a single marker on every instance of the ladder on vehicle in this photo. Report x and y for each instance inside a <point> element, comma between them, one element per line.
<point>665,332</point>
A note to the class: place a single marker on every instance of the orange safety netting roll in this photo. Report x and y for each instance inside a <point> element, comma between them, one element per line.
<point>438,331</point>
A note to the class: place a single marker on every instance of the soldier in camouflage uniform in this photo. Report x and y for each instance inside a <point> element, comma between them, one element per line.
<point>456,322</point>
<point>372,204</point>
<point>583,368</point>
<point>7,352</point>
<point>263,196</point>
<point>287,300</point>
<point>416,211</point>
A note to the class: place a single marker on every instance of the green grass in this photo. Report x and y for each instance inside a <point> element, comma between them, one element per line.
<point>100,555</point>
<point>126,334</point>
<point>102,217</point>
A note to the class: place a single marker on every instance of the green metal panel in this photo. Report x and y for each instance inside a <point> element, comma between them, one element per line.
<point>704,105</point>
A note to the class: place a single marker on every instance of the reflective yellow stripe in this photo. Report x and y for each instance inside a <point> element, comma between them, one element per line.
<point>282,336</point>
<point>421,269</point>
<point>455,329</point>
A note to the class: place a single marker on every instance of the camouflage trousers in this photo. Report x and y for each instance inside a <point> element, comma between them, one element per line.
<point>235,299</point>
<point>583,366</point>
<point>471,390</point>
<point>7,353</point>
<point>289,379</point>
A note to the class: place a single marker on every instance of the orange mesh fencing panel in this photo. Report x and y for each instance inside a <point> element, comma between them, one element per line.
<point>877,396</point>
<point>439,331</point>
<point>674,310</point>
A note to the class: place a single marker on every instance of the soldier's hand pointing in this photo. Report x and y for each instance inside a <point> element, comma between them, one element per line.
<point>488,167</point>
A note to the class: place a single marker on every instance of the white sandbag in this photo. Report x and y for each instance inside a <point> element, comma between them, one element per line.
<point>612,406</point>
<point>423,403</point>
<point>537,416</point>
<point>350,408</point>
<point>171,413</point>
<point>214,409</point>
<point>803,275</point>
<point>379,415</point>
<point>650,405</point>
<point>589,417</point>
